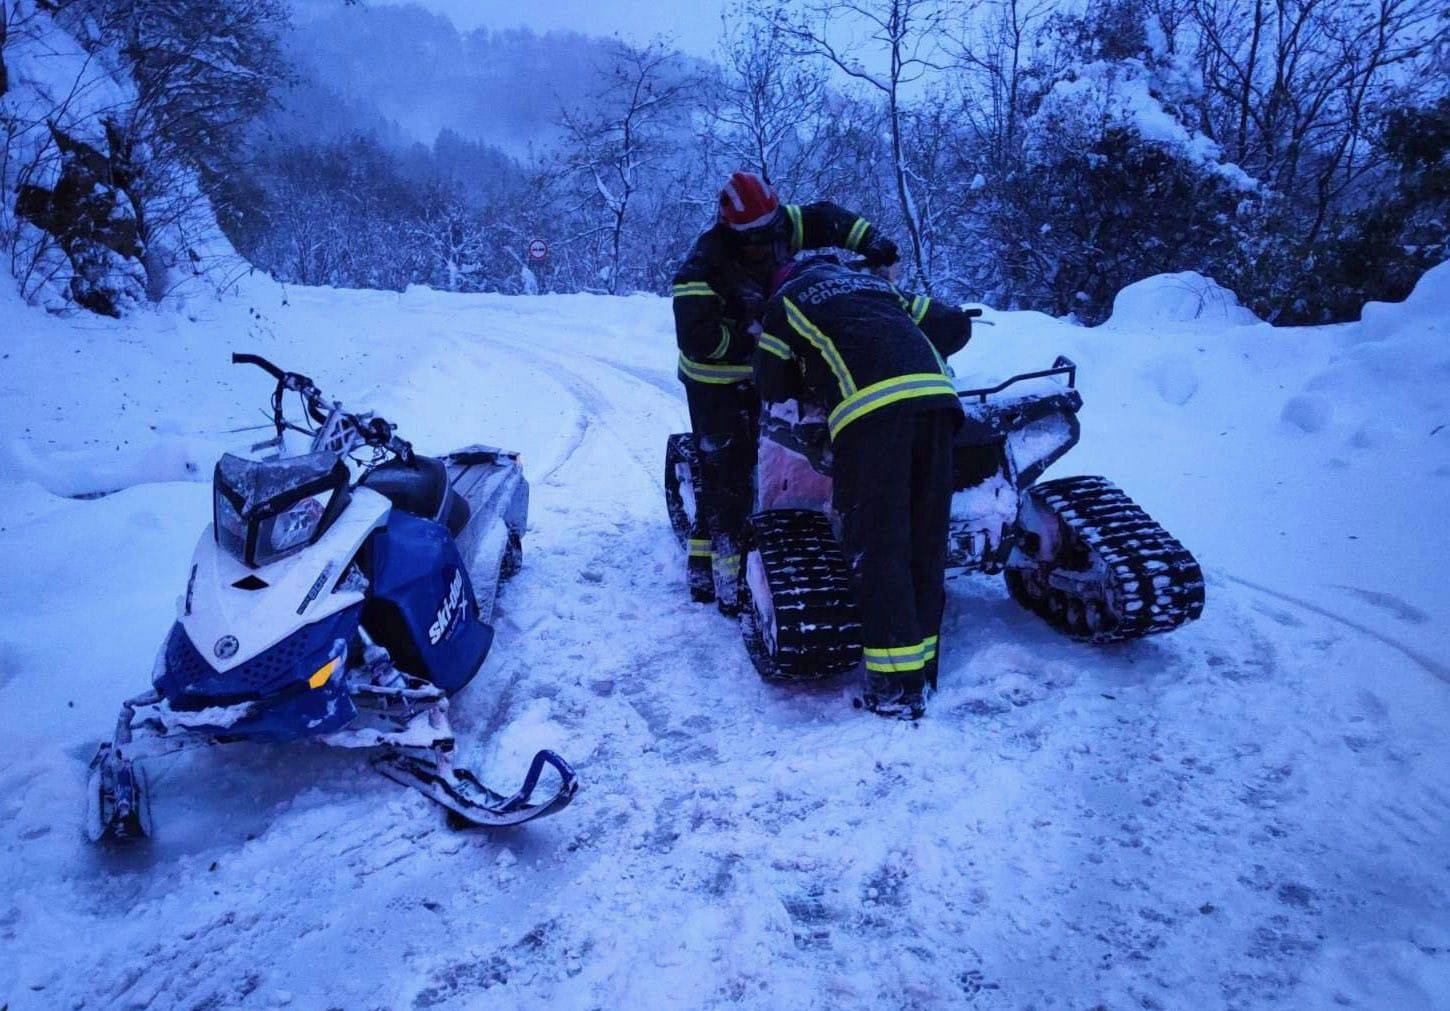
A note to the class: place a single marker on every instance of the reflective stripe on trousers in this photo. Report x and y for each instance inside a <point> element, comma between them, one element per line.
<point>898,659</point>
<point>714,373</point>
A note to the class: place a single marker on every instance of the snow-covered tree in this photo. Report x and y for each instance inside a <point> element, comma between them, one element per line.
<point>1299,93</point>
<point>616,142</point>
<point>888,47</point>
<point>769,106</point>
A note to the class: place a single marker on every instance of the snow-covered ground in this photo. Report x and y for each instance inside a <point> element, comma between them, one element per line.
<point>1252,811</point>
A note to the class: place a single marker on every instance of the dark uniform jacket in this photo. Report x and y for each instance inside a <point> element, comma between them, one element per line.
<point>853,343</point>
<point>715,344</point>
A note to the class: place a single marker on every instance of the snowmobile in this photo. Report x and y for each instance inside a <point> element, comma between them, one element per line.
<point>1075,551</point>
<point>342,594</point>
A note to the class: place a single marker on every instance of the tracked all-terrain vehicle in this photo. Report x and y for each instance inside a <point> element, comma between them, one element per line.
<point>1075,551</point>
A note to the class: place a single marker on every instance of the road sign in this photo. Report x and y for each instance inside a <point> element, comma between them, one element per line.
<point>538,251</point>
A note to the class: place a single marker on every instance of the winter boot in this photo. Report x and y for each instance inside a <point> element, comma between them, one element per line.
<point>698,572</point>
<point>895,696</point>
<point>727,579</point>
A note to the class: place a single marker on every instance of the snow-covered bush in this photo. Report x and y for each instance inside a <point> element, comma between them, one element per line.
<point>115,117</point>
<point>1110,182</point>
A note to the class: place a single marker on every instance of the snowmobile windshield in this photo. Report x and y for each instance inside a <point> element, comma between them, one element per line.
<point>265,510</point>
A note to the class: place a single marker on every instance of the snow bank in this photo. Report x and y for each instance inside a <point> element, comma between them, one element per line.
<point>1426,308</point>
<point>1390,375</point>
<point>1182,298</point>
<point>89,472</point>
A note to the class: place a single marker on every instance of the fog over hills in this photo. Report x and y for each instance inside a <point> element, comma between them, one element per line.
<point>408,74</point>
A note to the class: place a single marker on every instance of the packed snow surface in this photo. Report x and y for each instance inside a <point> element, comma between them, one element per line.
<point>1250,812</point>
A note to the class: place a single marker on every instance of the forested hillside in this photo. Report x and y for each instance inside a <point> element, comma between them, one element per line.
<point>1030,155</point>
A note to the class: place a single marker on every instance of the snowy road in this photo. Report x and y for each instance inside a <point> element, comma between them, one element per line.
<point>1251,812</point>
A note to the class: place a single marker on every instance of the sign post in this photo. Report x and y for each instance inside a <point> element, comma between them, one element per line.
<point>538,254</point>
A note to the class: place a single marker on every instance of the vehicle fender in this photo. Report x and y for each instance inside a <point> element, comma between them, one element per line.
<point>422,606</point>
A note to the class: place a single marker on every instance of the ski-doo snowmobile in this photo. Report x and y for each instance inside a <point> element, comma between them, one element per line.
<point>1075,551</point>
<point>342,594</point>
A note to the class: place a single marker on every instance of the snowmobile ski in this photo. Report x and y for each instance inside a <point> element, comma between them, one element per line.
<point>118,801</point>
<point>467,800</point>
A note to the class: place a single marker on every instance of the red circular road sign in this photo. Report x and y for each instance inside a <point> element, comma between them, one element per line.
<point>538,250</point>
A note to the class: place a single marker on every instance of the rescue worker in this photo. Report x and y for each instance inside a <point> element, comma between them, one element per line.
<point>719,295</point>
<point>875,358</point>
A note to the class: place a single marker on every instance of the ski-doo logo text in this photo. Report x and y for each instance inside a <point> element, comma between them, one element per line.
<point>451,613</point>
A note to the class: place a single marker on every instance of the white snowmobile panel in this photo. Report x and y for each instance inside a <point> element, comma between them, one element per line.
<point>230,624</point>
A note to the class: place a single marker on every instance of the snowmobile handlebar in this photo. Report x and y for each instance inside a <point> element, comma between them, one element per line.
<point>372,430</point>
<point>260,362</point>
<point>294,381</point>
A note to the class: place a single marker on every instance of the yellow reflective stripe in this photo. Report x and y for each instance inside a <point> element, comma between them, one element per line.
<point>823,344</point>
<point>694,288</point>
<point>775,346</point>
<point>896,659</point>
<point>918,309</point>
<point>892,667</point>
<point>717,374</point>
<point>885,651</point>
<point>900,665</point>
<point>930,644</point>
<point>724,344</point>
<point>888,391</point>
<point>797,228</point>
<point>857,231</point>
<point>701,548</point>
<point>727,563</point>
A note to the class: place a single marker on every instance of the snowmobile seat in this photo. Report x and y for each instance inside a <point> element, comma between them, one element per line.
<point>420,487</point>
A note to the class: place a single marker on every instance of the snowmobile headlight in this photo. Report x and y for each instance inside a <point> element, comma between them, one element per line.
<point>295,525</point>
<point>265,510</point>
<point>231,529</point>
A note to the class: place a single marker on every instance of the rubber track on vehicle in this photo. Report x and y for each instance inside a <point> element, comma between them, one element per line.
<point>679,448</point>
<point>817,632</point>
<point>1156,583</point>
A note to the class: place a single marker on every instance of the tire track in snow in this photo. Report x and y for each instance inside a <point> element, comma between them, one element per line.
<point>564,368</point>
<point>1427,663</point>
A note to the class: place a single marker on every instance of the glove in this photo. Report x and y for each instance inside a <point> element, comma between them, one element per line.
<point>881,252</point>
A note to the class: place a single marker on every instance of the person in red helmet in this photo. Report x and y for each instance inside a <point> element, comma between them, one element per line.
<point>719,296</point>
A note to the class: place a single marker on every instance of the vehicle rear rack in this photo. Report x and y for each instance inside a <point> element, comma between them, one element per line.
<point>1063,366</point>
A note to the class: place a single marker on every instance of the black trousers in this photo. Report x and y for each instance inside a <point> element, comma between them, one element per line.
<point>723,419</point>
<point>893,490</point>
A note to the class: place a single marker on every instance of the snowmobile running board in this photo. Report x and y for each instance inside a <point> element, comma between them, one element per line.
<point>1063,366</point>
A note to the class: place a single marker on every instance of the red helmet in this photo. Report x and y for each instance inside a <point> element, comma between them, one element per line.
<point>748,202</point>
